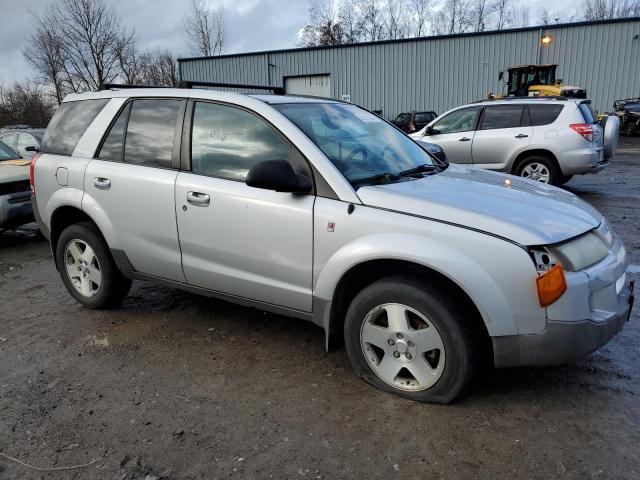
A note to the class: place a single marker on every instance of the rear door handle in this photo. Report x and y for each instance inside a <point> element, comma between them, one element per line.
<point>521,135</point>
<point>102,183</point>
<point>198,199</point>
<point>465,139</point>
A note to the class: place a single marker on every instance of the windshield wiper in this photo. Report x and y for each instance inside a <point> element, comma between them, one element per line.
<point>425,168</point>
<point>380,178</point>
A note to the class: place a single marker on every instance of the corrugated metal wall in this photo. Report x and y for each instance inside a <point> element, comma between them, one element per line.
<point>441,73</point>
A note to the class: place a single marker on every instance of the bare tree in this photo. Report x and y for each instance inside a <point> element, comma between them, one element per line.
<point>324,26</point>
<point>453,17</point>
<point>25,104</point>
<point>397,19</point>
<point>129,62</point>
<point>503,13</point>
<point>350,19</point>
<point>92,38</point>
<point>45,55</point>
<point>372,20</point>
<point>204,24</point>
<point>159,68</point>
<point>520,14</point>
<point>480,11</point>
<point>606,9</point>
<point>420,10</point>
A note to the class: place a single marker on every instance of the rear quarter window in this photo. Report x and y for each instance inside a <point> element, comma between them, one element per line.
<point>544,114</point>
<point>68,125</point>
<point>587,113</point>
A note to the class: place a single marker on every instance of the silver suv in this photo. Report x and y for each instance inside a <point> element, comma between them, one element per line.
<point>321,210</point>
<point>545,139</point>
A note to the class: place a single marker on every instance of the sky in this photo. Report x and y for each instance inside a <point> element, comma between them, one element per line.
<point>251,25</point>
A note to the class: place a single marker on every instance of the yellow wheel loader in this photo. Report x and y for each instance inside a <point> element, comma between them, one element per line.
<point>537,81</point>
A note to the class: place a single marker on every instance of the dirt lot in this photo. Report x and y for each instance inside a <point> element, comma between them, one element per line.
<point>178,386</point>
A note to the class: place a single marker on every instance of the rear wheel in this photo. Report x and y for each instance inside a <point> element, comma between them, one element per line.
<point>539,168</point>
<point>409,339</point>
<point>87,269</point>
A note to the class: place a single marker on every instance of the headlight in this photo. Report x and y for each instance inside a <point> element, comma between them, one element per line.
<point>605,232</point>
<point>580,252</point>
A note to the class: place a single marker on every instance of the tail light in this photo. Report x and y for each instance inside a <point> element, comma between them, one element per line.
<point>32,173</point>
<point>583,129</point>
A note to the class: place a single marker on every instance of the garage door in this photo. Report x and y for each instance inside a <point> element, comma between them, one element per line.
<point>316,85</point>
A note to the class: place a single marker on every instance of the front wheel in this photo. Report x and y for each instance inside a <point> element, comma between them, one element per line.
<point>409,339</point>
<point>87,269</point>
<point>540,169</point>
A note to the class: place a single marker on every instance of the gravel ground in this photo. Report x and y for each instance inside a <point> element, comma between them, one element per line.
<point>179,386</point>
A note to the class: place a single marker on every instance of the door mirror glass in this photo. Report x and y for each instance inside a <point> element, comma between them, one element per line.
<point>277,175</point>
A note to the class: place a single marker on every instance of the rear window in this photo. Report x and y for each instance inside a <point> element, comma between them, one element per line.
<point>544,114</point>
<point>587,113</point>
<point>68,125</point>
<point>501,116</point>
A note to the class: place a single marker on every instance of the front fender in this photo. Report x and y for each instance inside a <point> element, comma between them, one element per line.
<point>498,276</point>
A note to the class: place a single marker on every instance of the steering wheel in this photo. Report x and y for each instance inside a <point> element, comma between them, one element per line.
<point>345,164</point>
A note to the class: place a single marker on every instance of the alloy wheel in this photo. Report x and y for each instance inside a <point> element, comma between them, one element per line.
<point>83,268</point>
<point>536,171</point>
<point>402,347</point>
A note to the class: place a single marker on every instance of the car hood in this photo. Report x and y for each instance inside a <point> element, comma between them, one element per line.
<point>13,173</point>
<point>526,212</point>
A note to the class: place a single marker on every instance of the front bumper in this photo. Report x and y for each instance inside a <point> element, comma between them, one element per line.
<point>15,209</point>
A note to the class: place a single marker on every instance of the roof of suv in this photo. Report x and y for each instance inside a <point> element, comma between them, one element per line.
<point>194,93</point>
<point>535,100</point>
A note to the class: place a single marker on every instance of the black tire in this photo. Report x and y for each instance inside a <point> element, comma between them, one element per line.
<point>447,315</point>
<point>555,176</point>
<point>113,287</point>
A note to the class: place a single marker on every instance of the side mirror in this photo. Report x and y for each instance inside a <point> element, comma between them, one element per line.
<point>31,148</point>
<point>277,175</point>
<point>430,131</point>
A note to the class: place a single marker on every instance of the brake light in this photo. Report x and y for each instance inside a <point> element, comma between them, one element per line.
<point>583,129</point>
<point>551,285</point>
<point>32,175</point>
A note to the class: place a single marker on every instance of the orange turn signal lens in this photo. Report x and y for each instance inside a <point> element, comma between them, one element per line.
<point>551,285</point>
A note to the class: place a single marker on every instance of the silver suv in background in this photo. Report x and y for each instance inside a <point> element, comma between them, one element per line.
<point>545,139</point>
<point>322,211</point>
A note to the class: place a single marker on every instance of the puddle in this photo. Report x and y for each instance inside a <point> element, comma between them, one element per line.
<point>130,333</point>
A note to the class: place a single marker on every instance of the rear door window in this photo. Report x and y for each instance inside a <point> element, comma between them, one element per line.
<point>151,132</point>
<point>501,116</point>
<point>68,125</point>
<point>26,140</point>
<point>544,114</point>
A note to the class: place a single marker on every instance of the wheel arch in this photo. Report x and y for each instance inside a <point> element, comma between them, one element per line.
<point>367,272</point>
<point>517,161</point>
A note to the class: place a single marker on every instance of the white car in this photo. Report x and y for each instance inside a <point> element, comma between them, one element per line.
<point>322,211</point>
<point>548,139</point>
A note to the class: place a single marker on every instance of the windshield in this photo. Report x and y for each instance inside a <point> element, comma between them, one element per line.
<point>6,153</point>
<point>361,145</point>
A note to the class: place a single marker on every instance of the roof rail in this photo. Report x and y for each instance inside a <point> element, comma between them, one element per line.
<point>190,84</point>
<point>109,86</point>
<point>523,97</point>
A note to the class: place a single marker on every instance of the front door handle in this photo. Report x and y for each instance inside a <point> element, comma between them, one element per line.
<point>102,183</point>
<point>198,199</point>
<point>521,135</point>
<point>465,139</point>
